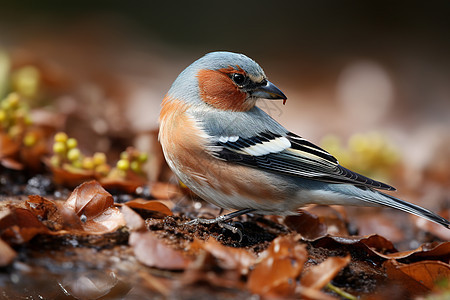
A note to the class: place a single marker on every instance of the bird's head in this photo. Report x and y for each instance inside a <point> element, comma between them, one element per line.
<point>226,81</point>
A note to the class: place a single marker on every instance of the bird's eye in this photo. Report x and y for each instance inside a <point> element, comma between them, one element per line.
<point>238,78</point>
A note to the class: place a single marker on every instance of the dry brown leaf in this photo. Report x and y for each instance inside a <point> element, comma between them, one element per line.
<point>417,278</point>
<point>46,210</point>
<point>317,277</point>
<point>19,225</point>
<point>110,220</point>
<point>93,202</point>
<point>436,229</point>
<point>433,251</point>
<point>373,245</point>
<point>8,147</point>
<point>7,254</point>
<point>230,258</point>
<point>153,252</point>
<point>333,217</point>
<point>133,219</point>
<point>150,205</point>
<point>278,268</point>
<point>11,163</point>
<point>89,199</point>
<point>127,185</point>
<point>70,178</point>
<point>307,224</point>
<point>164,190</point>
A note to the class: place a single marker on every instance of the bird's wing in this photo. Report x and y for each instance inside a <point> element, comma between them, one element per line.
<point>289,154</point>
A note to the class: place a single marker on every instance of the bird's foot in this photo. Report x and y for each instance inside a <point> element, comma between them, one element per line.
<point>221,221</point>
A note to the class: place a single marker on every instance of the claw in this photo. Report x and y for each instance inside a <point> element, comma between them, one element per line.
<point>221,221</point>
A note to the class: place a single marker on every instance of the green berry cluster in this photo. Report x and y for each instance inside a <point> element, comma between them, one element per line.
<point>68,155</point>
<point>14,116</point>
<point>66,151</point>
<point>131,159</point>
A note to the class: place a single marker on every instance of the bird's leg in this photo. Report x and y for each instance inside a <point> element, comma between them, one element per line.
<point>221,220</point>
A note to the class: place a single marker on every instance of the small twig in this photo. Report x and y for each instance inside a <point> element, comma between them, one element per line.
<point>340,292</point>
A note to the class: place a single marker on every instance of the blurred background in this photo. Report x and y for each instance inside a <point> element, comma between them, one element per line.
<point>352,71</point>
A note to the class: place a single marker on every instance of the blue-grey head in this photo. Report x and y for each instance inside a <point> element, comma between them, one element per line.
<point>224,80</point>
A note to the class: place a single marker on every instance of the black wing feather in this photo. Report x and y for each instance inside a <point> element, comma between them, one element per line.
<point>302,159</point>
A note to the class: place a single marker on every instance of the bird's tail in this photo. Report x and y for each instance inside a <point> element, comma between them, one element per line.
<point>390,201</point>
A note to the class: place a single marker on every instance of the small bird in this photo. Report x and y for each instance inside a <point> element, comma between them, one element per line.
<point>234,155</point>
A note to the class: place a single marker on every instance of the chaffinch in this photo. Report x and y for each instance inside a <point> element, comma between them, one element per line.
<point>234,155</point>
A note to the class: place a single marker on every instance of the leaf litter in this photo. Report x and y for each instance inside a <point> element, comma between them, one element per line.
<point>60,240</point>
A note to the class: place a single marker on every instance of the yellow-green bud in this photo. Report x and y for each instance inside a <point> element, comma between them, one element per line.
<point>2,115</point>
<point>29,139</point>
<point>99,158</point>
<point>123,164</point>
<point>88,163</point>
<point>142,157</point>
<point>13,100</point>
<point>71,143</point>
<point>124,155</point>
<point>27,119</point>
<point>14,131</point>
<point>55,161</point>
<point>135,166</point>
<point>77,164</point>
<point>73,154</point>
<point>103,169</point>
<point>59,147</point>
<point>61,137</point>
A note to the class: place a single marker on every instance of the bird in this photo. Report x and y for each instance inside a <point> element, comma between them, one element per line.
<point>231,153</point>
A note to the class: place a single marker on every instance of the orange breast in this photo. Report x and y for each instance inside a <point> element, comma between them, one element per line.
<point>184,148</point>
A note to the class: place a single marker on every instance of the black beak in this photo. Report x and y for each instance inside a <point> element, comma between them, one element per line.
<point>268,91</point>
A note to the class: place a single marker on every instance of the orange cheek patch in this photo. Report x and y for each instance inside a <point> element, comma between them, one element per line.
<point>217,89</point>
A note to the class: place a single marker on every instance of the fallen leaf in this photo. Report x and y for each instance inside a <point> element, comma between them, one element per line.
<point>133,220</point>
<point>69,177</point>
<point>19,225</point>
<point>230,258</point>
<point>307,224</point>
<point>150,205</point>
<point>94,205</point>
<point>46,210</point>
<point>127,185</point>
<point>333,217</point>
<point>7,254</point>
<point>153,252</point>
<point>110,220</point>
<point>436,229</point>
<point>419,277</point>
<point>373,245</point>
<point>89,199</point>
<point>8,146</point>
<point>278,268</point>
<point>316,277</point>
<point>164,190</point>
<point>433,251</point>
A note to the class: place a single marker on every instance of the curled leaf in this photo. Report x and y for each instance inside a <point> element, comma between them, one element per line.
<point>153,252</point>
<point>420,276</point>
<point>279,267</point>
<point>317,277</point>
<point>230,258</point>
<point>89,199</point>
<point>94,206</point>
<point>150,206</point>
